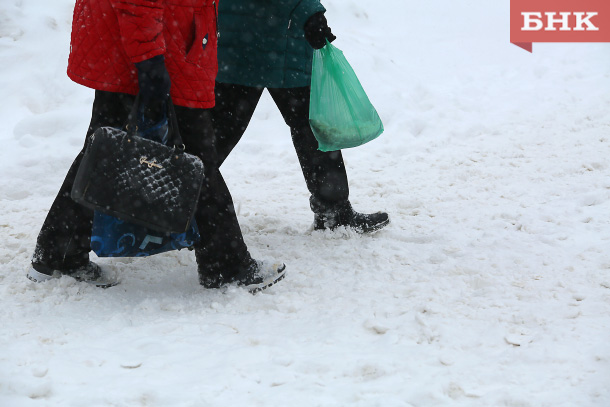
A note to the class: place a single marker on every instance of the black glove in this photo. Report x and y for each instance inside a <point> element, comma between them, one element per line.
<point>317,31</point>
<point>154,83</point>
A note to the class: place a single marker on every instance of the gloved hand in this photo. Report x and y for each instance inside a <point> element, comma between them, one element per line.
<point>154,83</point>
<point>317,31</point>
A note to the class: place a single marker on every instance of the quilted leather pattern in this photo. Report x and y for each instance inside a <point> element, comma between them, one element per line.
<point>139,180</point>
<point>110,36</point>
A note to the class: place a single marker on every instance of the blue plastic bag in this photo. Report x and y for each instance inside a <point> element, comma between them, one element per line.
<point>113,237</point>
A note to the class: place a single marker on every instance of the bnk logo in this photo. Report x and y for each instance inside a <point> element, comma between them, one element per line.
<point>559,21</point>
<point>533,21</point>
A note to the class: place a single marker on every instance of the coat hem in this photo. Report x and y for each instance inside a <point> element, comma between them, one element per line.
<point>133,90</point>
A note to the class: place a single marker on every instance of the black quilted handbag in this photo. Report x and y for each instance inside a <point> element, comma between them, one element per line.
<point>140,180</point>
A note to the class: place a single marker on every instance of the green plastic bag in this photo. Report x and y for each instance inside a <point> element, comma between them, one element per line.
<point>340,113</point>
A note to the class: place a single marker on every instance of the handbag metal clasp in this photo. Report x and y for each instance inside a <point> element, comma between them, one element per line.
<point>151,164</point>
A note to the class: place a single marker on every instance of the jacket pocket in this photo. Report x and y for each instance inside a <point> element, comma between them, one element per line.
<point>202,52</point>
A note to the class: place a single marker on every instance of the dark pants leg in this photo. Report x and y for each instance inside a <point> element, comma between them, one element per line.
<point>64,239</point>
<point>324,172</point>
<point>222,249</point>
<point>235,105</point>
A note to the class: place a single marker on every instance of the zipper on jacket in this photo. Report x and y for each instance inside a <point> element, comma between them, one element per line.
<point>286,50</point>
<point>216,19</point>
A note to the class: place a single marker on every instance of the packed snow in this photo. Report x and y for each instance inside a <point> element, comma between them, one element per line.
<point>490,286</point>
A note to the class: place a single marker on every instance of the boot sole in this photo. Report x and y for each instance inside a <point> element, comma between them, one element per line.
<point>255,288</point>
<point>375,228</point>
<point>38,277</point>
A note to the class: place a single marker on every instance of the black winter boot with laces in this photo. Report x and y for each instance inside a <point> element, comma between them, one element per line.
<point>344,215</point>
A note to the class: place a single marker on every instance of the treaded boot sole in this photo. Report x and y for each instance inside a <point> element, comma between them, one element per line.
<point>370,229</point>
<point>38,277</point>
<point>373,228</point>
<point>255,288</point>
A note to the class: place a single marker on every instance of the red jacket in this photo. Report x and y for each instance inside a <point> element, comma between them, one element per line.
<point>110,36</point>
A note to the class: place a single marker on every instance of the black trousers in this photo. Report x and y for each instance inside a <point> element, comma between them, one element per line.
<point>324,172</point>
<point>64,239</point>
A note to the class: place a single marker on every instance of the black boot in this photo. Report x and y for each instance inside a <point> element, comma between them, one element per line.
<point>344,215</point>
<point>89,273</point>
<point>253,274</point>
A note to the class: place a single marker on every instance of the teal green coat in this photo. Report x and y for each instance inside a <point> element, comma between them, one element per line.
<point>262,42</point>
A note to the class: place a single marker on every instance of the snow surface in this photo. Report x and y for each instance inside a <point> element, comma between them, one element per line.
<point>490,287</point>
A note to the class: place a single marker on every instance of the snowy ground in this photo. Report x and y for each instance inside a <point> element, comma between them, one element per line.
<point>491,286</point>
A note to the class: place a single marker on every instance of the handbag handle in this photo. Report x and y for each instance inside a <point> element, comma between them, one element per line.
<point>173,126</point>
<point>173,131</point>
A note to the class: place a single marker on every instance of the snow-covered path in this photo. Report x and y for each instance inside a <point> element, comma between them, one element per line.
<point>491,286</point>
